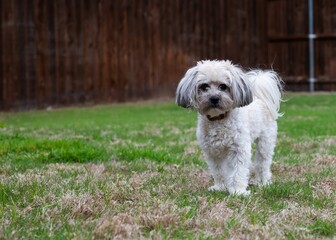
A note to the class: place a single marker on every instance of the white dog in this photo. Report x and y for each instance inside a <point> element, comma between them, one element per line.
<point>234,109</point>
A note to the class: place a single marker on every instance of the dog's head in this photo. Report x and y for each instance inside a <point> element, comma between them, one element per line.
<point>214,88</point>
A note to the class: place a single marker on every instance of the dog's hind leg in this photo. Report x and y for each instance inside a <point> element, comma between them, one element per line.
<point>261,169</point>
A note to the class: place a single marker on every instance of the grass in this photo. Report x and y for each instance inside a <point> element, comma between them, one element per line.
<point>135,171</point>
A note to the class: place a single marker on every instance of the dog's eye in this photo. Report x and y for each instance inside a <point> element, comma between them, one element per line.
<point>222,87</point>
<point>204,87</point>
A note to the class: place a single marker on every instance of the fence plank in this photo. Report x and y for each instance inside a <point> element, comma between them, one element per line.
<point>9,76</point>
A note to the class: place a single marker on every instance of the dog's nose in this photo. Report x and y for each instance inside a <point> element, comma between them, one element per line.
<point>214,100</point>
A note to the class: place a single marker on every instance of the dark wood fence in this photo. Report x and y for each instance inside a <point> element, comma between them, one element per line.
<point>288,42</point>
<point>91,51</point>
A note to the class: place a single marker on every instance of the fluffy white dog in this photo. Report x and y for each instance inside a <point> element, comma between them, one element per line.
<point>234,108</point>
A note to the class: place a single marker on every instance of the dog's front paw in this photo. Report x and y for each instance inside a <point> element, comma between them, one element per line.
<point>258,181</point>
<point>242,192</point>
<point>216,188</point>
<point>255,181</point>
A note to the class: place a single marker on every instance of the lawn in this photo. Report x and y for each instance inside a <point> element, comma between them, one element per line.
<point>135,171</point>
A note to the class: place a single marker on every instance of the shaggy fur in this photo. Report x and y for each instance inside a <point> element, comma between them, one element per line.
<point>235,108</point>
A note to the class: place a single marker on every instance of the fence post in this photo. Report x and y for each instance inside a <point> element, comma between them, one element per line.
<point>311,37</point>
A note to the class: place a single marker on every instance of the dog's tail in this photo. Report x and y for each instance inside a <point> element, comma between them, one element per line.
<point>268,87</point>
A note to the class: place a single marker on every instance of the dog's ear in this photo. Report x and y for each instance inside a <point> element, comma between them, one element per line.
<point>241,89</point>
<point>186,90</point>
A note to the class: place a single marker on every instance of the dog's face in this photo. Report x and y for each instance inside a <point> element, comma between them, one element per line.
<point>214,88</point>
<point>214,97</point>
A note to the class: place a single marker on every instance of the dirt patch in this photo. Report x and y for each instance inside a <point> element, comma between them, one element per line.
<point>292,172</point>
<point>96,170</point>
<point>137,180</point>
<point>161,214</point>
<point>83,205</point>
<point>325,188</point>
<point>120,226</point>
<point>199,179</point>
<point>325,160</point>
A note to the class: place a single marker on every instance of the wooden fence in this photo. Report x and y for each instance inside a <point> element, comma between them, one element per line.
<point>288,42</point>
<point>91,51</point>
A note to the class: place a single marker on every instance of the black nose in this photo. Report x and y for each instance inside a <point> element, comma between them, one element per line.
<point>214,100</point>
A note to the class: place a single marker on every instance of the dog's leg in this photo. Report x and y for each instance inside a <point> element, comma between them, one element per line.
<point>238,175</point>
<point>216,170</point>
<point>263,159</point>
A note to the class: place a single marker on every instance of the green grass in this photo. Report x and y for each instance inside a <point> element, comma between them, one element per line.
<point>135,170</point>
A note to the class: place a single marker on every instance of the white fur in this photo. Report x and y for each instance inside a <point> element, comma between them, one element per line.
<point>248,103</point>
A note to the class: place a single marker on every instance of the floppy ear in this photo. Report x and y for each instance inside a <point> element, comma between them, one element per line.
<point>186,90</point>
<point>241,89</point>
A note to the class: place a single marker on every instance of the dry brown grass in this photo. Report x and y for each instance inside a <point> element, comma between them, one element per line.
<point>147,204</point>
